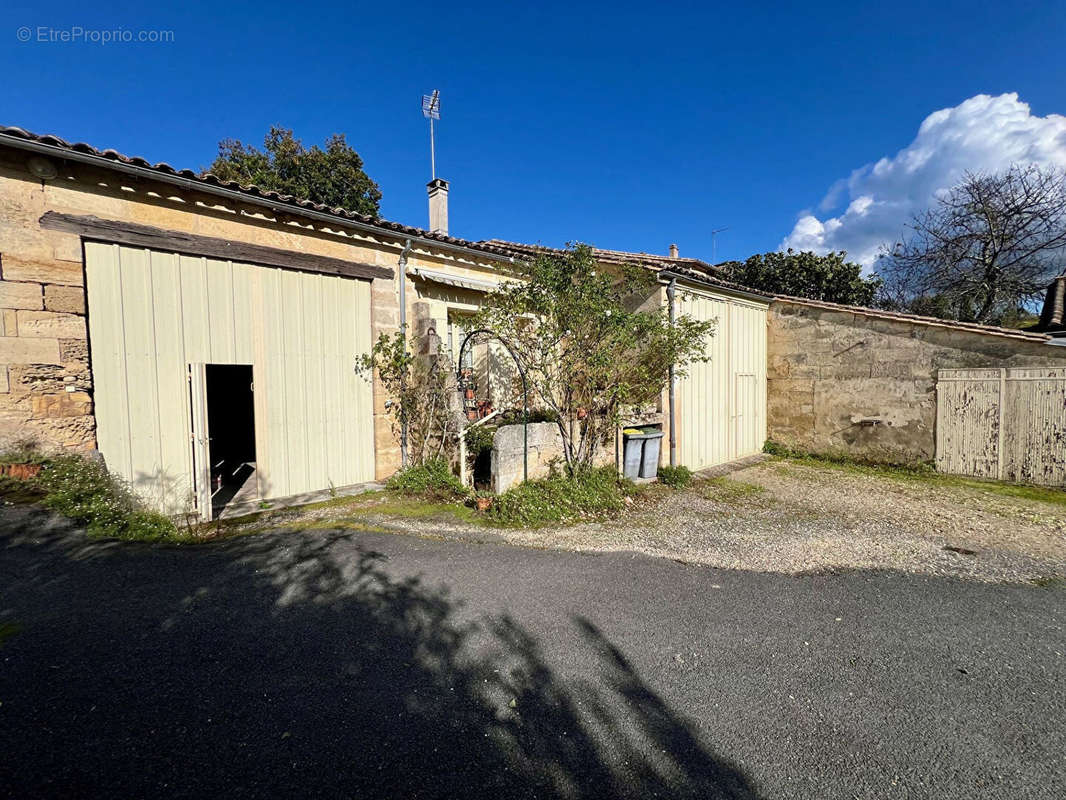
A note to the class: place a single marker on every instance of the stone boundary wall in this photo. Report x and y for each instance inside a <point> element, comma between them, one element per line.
<point>845,382</point>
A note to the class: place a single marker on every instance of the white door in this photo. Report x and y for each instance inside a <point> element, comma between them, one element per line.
<point>722,401</point>
<point>745,416</point>
<point>200,440</point>
<point>153,313</point>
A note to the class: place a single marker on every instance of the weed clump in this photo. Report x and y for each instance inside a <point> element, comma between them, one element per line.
<point>675,477</point>
<point>563,498</point>
<point>84,491</point>
<point>432,479</point>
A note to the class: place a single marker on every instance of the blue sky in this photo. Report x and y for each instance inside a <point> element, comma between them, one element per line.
<point>629,126</point>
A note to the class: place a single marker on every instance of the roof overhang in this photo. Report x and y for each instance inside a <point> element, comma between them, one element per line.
<point>710,284</point>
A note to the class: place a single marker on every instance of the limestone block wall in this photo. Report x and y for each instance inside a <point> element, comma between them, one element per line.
<point>841,381</point>
<point>545,447</point>
<point>45,387</point>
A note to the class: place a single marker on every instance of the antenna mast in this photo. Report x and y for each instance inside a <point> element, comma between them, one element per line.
<point>431,111</point>
<point>714,242</point>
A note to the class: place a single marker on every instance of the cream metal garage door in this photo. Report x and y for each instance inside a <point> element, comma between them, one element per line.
<point>157,318</point>
<point>722,414</point>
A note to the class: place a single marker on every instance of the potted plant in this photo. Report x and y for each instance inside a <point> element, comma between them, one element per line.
<point>483,500</point>
<point>23,461</point>
<point>23,471</point>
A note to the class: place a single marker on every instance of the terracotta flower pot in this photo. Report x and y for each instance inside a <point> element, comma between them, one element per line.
<point>483,503</point>
<point>21,471</point>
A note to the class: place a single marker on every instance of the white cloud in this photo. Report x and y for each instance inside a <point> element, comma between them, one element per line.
<point>982,134</point>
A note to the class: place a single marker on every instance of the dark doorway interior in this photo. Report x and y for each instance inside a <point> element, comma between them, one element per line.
<point>231,422</point>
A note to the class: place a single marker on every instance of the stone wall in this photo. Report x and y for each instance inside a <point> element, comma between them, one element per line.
<point>45,387</point>
<point>842,381</point>
<point>545,448</point>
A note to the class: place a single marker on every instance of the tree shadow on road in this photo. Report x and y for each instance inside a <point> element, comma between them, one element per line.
<point>302,665</point>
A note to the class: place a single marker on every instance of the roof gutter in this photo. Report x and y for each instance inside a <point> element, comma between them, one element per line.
<point>671,289</point>
<point>199,186</point>
<point>679,276</point>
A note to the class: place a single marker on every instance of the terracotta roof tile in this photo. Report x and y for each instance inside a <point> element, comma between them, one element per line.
<point>13,134</point>
<point>616,256</point>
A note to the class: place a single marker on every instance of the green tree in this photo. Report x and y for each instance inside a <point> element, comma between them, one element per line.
<point>333,176</point>
<point>828,277</point>
<point>587,354</point>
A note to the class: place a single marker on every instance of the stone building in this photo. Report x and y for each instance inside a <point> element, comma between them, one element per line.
<point>202,335</point>
<point>103,257</point>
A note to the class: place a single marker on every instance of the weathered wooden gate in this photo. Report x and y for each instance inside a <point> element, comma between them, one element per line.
<point>1003,423</point>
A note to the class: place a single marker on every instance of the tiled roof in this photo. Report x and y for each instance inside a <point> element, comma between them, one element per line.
<point>691,268</point>
<point>975,327</point>
<point>14,136</point>
<point>611,256</point>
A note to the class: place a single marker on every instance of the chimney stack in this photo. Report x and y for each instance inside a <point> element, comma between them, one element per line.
<point>673,251</point>
<point>1053,315</point>
<point>438,205</point>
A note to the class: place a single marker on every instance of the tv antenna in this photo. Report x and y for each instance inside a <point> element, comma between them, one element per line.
<point>431,111</point>
<point>714,242</point>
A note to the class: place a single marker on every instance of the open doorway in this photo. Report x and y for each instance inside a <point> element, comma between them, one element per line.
<point>231,422</point>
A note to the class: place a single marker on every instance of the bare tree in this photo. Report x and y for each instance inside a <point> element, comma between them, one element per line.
<point>988,246</point>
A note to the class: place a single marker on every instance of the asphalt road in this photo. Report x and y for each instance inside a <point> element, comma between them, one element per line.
<point>351,664</point>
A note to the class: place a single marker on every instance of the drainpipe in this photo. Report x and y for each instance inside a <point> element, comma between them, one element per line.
<point>670,289</point>
<point>403,329</point>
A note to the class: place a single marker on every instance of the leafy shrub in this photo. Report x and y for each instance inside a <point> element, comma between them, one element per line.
<point>88,494</point>
<point>432,479</point>
<point>675,477</point>
<point>479,439</point>
<point>513,416</point>
<point>561,498</point>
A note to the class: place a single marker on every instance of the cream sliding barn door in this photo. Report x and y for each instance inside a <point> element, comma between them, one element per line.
<point>722,401</point>
<point>152,314</point>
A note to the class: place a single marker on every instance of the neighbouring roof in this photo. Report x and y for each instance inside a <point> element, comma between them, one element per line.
<point>692,269</point>
<point>974,327</point>
<point>18,137</point>
<point>609,256</point>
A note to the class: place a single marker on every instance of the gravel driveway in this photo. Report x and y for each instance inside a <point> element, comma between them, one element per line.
<point>794,517</point>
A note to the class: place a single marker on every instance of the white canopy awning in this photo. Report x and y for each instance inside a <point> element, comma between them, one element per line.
<point>474,284</point>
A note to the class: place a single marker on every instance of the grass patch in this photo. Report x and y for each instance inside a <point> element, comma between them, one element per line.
<point>726,490</point>
<point>919,473</point>
<point>1049,582</point>
<point>561,498</point>
<point>911,468</point>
